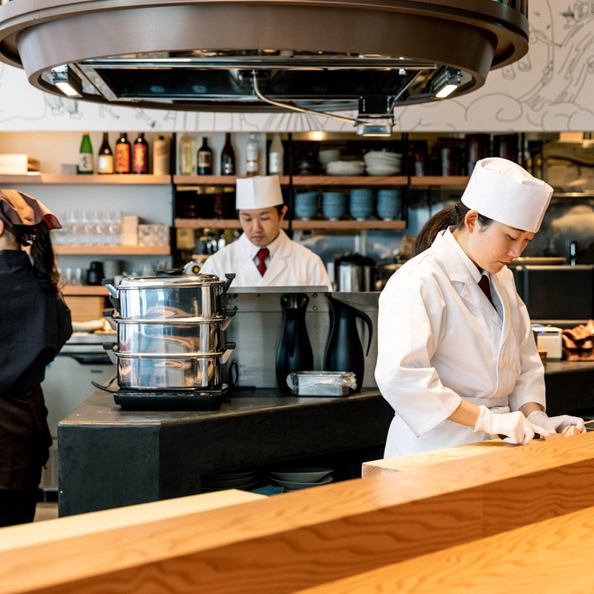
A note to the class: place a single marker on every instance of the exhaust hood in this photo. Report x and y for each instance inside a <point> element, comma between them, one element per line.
<point>263,55</point>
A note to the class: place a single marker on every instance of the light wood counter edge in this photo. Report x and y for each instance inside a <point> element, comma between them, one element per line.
<point>375,521</point>
<point>552,556</point>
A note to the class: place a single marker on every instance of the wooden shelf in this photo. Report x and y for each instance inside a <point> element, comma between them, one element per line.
<point>113,250</point>
<point>84,290</point>
<point>297,225</point>
<point>298,180</point>
<point>56,179</point>
<point>436,180</point>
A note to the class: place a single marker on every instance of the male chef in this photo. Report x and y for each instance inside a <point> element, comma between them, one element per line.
<point>264,256</point>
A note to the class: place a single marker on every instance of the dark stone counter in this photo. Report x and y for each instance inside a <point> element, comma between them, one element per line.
<point>109,457</point>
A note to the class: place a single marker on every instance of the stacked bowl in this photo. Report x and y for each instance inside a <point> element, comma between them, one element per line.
<point>383,163</point>
<point>333,205</point>
<point>389,203</point>
<point>306,205</point>
<point>292,479</point>
<point>245,480</point>
<point>361,203</point>
<point>345,168</point>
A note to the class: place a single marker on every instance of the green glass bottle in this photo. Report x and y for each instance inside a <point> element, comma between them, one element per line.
<point>85,155</point>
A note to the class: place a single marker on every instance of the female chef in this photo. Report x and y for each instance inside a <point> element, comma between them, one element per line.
<point>456,357</point>
<point>34,323</point>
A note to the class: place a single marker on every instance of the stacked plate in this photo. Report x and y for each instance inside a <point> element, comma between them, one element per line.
<point>241,479</point>
<point>345,168</point>
<point>382,163</point>
<point>292,479</point>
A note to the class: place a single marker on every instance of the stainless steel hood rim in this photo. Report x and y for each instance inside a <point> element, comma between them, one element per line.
<point>489,35</point>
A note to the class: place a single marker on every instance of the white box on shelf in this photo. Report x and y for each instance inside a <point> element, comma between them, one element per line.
<point>549,338</point>
<point>17,164</point>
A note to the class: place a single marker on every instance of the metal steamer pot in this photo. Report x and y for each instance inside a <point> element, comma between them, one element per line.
<point>172,336</point>
<point>166,297</point>
<point>354,272</point>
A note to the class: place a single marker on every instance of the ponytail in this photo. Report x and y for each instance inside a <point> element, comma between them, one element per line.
<point>42,253</point>
<point>450,216</point>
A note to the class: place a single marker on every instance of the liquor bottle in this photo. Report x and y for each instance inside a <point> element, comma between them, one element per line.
<point>252,156</point>
<point>228,157</point>
<point>122,154</point>
<point>85,155</point>
<point>186,155</point>
<point>204,158</point>
<point>161,165</point>
<point>105,157</point>
<point>140,155</point>
<point>276,156</point>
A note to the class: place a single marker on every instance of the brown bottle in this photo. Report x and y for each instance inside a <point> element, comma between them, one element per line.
<point>122,154</point>
<point>228,157</point>
<point>204,158</point>
<point>140,154</point>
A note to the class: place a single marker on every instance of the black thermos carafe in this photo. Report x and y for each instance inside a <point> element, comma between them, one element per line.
<point>294,349</point>
<point>343,349</point>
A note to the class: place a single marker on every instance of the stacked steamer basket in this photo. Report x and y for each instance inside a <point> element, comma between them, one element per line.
<point>171,349</point>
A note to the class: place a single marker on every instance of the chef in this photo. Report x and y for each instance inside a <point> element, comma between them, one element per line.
<point>264,256</point>
<point>456,357</point>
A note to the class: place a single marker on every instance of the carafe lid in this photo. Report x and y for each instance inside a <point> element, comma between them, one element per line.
<point>178,281</point>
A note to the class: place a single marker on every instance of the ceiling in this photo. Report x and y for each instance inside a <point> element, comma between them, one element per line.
<point>265,55</point>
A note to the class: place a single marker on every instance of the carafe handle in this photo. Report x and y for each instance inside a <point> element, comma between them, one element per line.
<point>367,320</point>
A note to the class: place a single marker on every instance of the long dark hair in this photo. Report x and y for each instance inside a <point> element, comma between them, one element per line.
<point>42,253</point>
<point>451,215</point>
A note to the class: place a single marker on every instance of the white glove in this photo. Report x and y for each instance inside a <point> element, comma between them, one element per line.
<point>514,425</point>
<point>555,424</point>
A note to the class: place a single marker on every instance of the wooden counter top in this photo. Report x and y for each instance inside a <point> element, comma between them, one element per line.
<point>343,531</point>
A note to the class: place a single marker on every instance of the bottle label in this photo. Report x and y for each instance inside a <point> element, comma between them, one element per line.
<point>274,163</point>
<point>85,163</point>
<point>122,158</point>
<point>140,164</point>
<point>252,166</point>
<point>105,164</point>
<point>227,167</point>
<point>204,159</point>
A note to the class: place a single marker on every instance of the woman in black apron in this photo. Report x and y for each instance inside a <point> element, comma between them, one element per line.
<point>34,324</point>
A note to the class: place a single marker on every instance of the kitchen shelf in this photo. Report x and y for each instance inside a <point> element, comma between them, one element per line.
<point>437,180</point>
<point>298,180</point>
<point>84,290</point>
<point>297,225</point>
<point>113,250</point>
<point>94,179</point>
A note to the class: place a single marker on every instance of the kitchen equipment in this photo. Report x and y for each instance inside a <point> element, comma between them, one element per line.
<point>354,272</point>
<point>151,297</point>
<point>343,349</point>
<point>321,383</point>
<point>548,338</point>
<point>177,335</point>
<point>294,351</point>
<point>95,273</point>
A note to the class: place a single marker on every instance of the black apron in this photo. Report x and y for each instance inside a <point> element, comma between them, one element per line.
<point>34,325</point>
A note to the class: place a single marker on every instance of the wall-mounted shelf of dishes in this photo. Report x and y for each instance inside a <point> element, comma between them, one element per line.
<point>298,180</point>
<point>112,250</point>
<point>297,225</point>
<point>93,179</point>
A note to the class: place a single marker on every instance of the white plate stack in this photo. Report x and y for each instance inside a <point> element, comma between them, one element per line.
<point>245,480</point>
<point>292,479</point>
<point>345,168</point>
<point>383,163</point>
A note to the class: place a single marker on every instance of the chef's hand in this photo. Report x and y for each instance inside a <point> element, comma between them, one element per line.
<point>555,424</point>
<point>514,425</point>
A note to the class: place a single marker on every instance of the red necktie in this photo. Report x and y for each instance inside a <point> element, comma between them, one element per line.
<point>486,287</point>
<point>262,254</point>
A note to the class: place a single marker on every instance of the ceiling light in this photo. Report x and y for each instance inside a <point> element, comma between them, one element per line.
<point>64,78</point>
<point>375,129</point>
<point>446,82</point>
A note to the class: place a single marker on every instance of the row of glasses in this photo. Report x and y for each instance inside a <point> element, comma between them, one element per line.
<point>89,227</point>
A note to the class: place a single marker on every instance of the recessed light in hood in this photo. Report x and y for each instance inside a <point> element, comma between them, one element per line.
<point>251,55</point>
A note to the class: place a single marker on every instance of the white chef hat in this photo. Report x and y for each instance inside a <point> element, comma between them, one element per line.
<point>507,193</point>
<point>261,191</point>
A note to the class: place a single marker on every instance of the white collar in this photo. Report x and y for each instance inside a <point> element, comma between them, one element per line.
<point>475,273</point>
<point>273,246</point>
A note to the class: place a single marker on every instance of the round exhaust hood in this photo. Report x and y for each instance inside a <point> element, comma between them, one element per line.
<point>245,55</point>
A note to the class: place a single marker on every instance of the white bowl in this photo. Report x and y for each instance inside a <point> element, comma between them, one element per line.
<point>302,485</point>
<point>328,155</point>
<point>345,168</point>
<point>302,475</point>
<point>377,170</point>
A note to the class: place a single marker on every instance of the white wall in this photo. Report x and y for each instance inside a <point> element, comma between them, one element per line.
<point>551,89</point>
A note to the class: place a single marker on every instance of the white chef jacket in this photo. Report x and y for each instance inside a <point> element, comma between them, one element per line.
<point>441,340</point>
<point>290,264</point>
